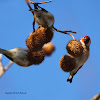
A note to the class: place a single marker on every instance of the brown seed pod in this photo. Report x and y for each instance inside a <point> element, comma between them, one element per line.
<point>36,57</point>
<point>75,48</point>
<point>36,40</point>
<point>48,35</point>
<point>67,63</point>
<point>48,48</point>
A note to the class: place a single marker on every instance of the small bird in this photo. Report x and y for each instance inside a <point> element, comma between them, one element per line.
<point>43,17</point>
<point>73,63</point>
<point>23,57</point>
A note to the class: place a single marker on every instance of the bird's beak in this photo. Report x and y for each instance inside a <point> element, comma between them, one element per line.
<point>83,39</point>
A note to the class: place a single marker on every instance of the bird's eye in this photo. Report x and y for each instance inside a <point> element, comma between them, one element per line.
<point>87,41</point>
<point>85,38</point>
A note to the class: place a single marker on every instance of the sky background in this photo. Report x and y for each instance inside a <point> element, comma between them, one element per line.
<point>47,81</point>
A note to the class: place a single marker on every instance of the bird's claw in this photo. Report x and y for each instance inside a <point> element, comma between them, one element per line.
<point>70,78</point>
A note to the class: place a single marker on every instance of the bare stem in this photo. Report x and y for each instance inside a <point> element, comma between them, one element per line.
<point>0,59</point>
<point>9,64</point>
<point>65,32</point>
<point>2,68</point>
<point>32,13</point>
<point>29,6</point>
<point>39,2</point>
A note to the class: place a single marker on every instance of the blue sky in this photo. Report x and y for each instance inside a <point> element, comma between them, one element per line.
<point>47,81</point>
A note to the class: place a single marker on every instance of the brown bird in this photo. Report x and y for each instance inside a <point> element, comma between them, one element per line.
<point>23,57</point>
<point>78,55</point>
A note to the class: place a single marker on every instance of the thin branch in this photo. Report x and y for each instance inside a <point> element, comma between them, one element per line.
<point>29,6</point>
<point>1,60</point>
<point>66,32</point>
<point>32,13</point>
<point>39,2</point>
<point>97,97</point>
<point>9,64</point>
<point>2,68</point>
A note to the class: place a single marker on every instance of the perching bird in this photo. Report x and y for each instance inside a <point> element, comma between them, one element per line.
<point>72,63</point>
<point>23,57</point>
<point>43,17</point>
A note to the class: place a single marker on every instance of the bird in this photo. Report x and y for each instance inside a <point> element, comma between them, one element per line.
<point>23,57</point>
<point>72,63</point>
<point>75,47</point>
<point>42,17</point>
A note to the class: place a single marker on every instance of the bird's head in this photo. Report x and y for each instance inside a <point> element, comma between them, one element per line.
<point>86,40</point>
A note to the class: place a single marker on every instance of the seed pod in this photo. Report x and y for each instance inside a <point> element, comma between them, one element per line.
<point>48,35</point>
<point>67,63</point>
<point>36,40</point>
<point>36,57</point>
<point>48,48</point>
<point>75,48</point>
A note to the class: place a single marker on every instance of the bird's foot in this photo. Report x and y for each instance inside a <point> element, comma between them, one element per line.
<point>70,79</point>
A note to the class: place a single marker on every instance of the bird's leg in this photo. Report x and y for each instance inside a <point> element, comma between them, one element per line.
<point>33,25</point>
<point>72,73</point>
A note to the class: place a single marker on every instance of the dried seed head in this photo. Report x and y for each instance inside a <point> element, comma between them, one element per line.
<point>36,57</point>
<point>48,48</point>
<point>67,63</point>
<point>36,40</point>
<point>48,35</point>
<point>75,48</point>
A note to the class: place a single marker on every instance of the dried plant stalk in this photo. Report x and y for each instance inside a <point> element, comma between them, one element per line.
<point>39,2</point>
<point>2,68</point>
<point>66,32</point>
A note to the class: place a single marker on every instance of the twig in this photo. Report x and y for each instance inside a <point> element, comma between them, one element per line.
<point>2,68</point>
<point>9,64</point>
<point>39,2</point>
<point>29,6</point>
<point>65,32</point>
<point>97,97</point>
<point>32,13</point>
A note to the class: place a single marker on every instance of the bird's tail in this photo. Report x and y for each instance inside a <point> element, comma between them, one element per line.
<point>2,51</point>
<point>6,53</point>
